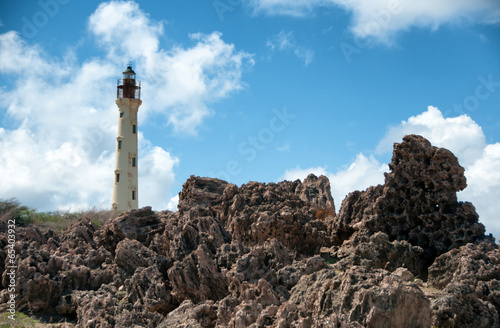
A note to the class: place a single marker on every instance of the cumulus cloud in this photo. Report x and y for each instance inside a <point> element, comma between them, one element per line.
<point>381,19</point>
<point>182,82</point>
<point>157,176</point>
<point>462,135</point>
<point>55,148</point>
<point>172,204</point>
<point>57,143</point>
<point>285,41</point>
<point>483,179</point>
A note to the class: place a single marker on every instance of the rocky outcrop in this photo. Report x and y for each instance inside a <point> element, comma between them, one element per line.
<point>417,203</point>
<point>256,212</point>
<point>470,280</point>
<point>402,254</point>
<point>358,297</point>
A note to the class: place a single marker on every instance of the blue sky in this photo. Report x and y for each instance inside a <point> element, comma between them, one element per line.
<point>251,90</point>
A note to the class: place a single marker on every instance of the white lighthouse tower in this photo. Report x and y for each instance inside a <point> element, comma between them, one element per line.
<point>128,100</point>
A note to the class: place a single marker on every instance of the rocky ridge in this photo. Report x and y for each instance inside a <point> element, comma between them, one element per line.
<point>401,254</point>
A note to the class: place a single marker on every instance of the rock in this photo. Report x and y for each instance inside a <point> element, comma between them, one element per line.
<point>148,289</point>
<point>262,262</point>
<point>401,254</point>
<point>417,203</point>
<point>317,192</point>
<point>189,315</point>
<point>184,234</point>
<point>359,296</point>
<point>470,277</point>
<point>131,254</point>
<point>201,193</point>
<point>41,293</point>
<point>466,310</point>
<point>290,275</point>
<point>79,234</point>
<point>471,264</point>
<point>376,251</point>
<point>258,212</point>
<point>141,225</point>
<point>197,278</point>
<point>102,308</point>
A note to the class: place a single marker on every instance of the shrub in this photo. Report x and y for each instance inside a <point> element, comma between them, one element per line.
<point>57,221</point>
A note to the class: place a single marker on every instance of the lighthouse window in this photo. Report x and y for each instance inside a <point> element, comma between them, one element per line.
<point>134,128</point>
<point>133,161</point>
<point>133,194</point>
<point>121,114</point>
<point>117,177</point>
<point>119,144</point>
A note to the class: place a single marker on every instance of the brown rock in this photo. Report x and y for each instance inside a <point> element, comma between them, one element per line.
<point>316,191</point>
<point>140,225</point>
<point>190,315</point>
<point>79,234</point>
<point>183,235</point>
<point>417,203</point>
<point>369,298</point>
<point>258,212</point>
<point>376,251</point>
<point>131,254</point>
<point>197,278</point>
<point>470,277</point>
<point>148,289</point>
<point>200,192</point>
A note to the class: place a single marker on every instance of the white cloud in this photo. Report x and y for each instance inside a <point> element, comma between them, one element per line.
<point>182,82</point>
<point>57,143</point>
<point>483,179</point>
<point>285,41</point>
<point>381,19</point>
<point>55,150</point>
<point>361,174</point>
<point>157,176</point>
<point>461,135</point>
<point>172,204</point>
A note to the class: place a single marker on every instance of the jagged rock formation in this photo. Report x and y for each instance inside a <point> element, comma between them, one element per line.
<point>417,204</point>
<point>402,254</point>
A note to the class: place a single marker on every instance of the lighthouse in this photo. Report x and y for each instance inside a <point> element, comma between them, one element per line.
<point>125,186</point>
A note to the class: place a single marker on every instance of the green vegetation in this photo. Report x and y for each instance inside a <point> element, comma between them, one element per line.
<point>57,221</point>
<point>21,321</point>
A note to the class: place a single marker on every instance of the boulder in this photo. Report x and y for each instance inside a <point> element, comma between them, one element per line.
<point>417,203</point>
<point>357,297</point>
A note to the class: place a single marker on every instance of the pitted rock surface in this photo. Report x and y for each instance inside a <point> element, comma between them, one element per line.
<point>417,203</point>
